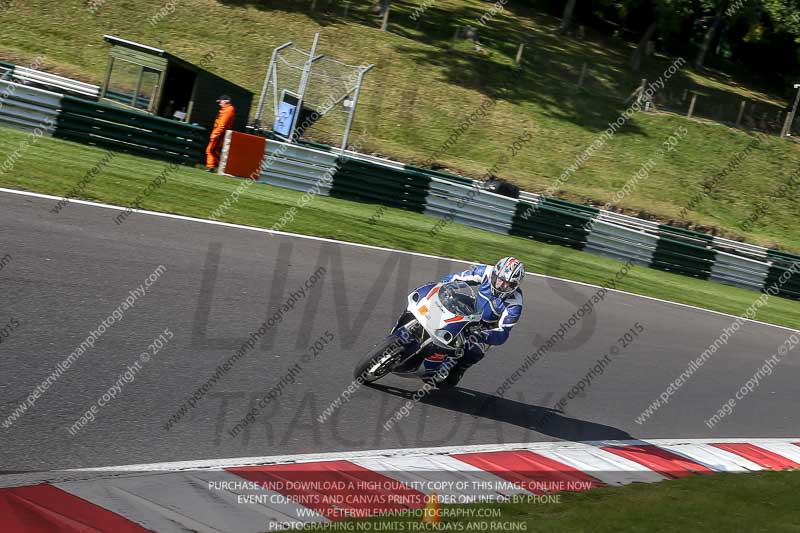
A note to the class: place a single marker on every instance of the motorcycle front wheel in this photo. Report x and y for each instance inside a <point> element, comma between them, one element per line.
<point>380,360</point>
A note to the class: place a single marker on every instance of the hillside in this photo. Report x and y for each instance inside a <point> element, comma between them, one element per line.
<point>425,85</point>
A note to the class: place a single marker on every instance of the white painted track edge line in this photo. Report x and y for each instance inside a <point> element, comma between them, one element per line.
<point>371,247</point>
<point>400,452</point>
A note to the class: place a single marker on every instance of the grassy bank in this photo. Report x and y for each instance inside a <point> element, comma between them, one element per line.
<point>55,167</point>
<point>763,501</point>
<point>425,85</point>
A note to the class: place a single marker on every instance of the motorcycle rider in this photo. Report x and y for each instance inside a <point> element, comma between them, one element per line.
<point>499,285</point>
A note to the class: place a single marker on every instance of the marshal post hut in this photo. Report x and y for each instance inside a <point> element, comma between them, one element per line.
<point>156,82</point>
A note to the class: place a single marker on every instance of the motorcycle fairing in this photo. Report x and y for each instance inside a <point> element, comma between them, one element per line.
<point>442,324</point>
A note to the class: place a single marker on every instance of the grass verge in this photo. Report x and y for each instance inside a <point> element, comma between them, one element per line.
<point>56,167</point>
<point>733,503</point>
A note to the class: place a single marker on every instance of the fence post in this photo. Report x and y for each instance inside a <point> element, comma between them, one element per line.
<point>518,59</point>
<point>691,105</point>
<point>785,128</point>
<point>741,113</point>
<point>583,75</point>
<point>640,91</point>
<point>385,21</point>
<point>790,117</point>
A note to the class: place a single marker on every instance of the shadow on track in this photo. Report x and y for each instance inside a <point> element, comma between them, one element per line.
<point>541,419</point>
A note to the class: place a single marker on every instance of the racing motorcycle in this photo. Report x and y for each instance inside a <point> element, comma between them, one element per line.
<point>430,335</point>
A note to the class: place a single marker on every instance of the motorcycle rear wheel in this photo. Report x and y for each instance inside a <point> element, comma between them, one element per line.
<point>379,361</point>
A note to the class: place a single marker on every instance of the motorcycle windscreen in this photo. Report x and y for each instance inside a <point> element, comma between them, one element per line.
<point>458,298</point>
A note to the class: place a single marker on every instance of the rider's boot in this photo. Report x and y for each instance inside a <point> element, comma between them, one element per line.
<point>472,355</point>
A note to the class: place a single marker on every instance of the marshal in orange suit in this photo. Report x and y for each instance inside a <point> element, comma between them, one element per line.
<point>223,123</point>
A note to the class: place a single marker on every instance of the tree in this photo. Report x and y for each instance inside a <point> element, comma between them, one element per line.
<point>641,47</point>
<point>667,17</point>
<point>566,18</point>
<point>710,34</point>
<point>784,15</point>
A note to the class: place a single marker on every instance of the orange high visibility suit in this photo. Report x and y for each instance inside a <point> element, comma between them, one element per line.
<point>223,123</point>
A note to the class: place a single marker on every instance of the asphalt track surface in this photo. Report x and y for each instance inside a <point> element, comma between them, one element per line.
<point>69,271</point>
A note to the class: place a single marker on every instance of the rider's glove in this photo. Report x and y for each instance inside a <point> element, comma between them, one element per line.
<point>474,334</point>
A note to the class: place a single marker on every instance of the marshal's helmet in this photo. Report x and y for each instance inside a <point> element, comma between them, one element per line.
<point>506,276</point>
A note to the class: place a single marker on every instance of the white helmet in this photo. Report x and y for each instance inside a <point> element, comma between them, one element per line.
<point>506,276</point>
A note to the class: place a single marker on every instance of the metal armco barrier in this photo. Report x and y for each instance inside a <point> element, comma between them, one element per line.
<point>298,168</point>
<point>28,108</point>
<point>780,263</point>
<point>675,253</point>
<point>739,271</point>
<point>52,82</point>
<point>104,125</point>
<point>365,181</point>
<point>369,179</point>
<point>552,221</point>
<point>94,123</point>
<point>620,243</point>
<point>468,205</point>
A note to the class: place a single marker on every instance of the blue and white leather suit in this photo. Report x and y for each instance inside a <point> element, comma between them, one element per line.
<point>499,314</point>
